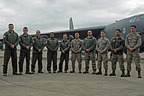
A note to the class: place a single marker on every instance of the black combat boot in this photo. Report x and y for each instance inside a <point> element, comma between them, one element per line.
<point>65,71</point>
<point>20,73</point>
<point>128,74</point>
<point>94,72</point>
<point>105,73</point>
<point>123,74</point>
<point>15,73</point>
<point>113,73</point>
<point>80,71</point>
<point>99,73</point>
<point>4,74</point>
<point>86,71</point>
<point>60,71</point>
<point>73,71</point>
<point>139,74</point>
<point>54,71</point>
<point>28,73</point>
<point>49,71</point>
<point>40,72</point>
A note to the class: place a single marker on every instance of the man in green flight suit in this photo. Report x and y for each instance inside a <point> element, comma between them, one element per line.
<point>38,46</point>
<point>11,40</point>
<point>64,48</point>
<point>89,47</point>
<point>52,46</point>
<point>25,48</point>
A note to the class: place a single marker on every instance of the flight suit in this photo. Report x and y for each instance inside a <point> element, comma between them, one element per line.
<point>10,38</point>
<point>37,44</point>
<point>76,45</point>
<point>133,41</point>
<point>90,43</point>
<point>52,46</point>
<point>103,45</point>
<point>64,46</point>
<point>117,43</point>
<point>24,52</point>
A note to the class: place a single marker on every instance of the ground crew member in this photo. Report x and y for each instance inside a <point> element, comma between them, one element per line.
<point>117,46</point>
<point>11,40</point>
<point>102,48</point>
<point>52,46</point>
<point>25,48</point>
<point>38,46</point>
<point>76,48</point>
<point>89,46</point>
<point>64,48</point>
<point>133,42</point>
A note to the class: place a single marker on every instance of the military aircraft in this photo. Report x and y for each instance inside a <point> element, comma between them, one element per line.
<point>123,25</point>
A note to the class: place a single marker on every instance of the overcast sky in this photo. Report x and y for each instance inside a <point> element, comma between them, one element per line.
<point>53,15</point>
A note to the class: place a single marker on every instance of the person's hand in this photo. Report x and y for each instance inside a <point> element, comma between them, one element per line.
<point>131,49</point>
<point>74,51</point>
<point>27,47</point>
<point>101,52</point>
<point>12,46</point>
<point>87,50</point>
<point>63,51</point>
<point>115,50</point>
<point>39,50</point>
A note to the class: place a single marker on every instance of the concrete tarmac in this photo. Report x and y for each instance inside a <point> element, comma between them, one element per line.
<point>71,84</point>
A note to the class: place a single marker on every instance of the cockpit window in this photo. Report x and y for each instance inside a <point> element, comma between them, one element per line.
<point>133,19</point>
<point>142,17</point>
<point>138,18</point>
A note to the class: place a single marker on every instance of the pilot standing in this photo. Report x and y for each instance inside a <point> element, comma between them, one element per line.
<point>117,46</point>
<point>102,48</point>
<point>11,40</point>
<point>52,46</point>
<point>89,46</point>
<point>133,42</point>
<point>25,48</point>
<point>76,48</point>
<point>38,46</point>
<point>64,48</point>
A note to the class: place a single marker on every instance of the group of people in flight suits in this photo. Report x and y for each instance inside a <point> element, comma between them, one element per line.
<point>90,44</point>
